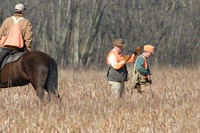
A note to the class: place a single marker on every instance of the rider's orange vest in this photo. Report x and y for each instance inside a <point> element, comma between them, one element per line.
<point>14,36</point>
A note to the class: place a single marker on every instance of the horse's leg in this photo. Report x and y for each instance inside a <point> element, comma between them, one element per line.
<point>39,92</point>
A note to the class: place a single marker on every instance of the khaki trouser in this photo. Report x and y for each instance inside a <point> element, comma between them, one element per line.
<point>117,88</point>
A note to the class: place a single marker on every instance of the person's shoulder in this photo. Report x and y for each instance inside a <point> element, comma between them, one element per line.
<point>26,20</point>
<point>8,18</point>
<point>140,58</point>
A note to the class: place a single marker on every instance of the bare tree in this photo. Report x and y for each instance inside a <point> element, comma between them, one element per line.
<point>80,33</point>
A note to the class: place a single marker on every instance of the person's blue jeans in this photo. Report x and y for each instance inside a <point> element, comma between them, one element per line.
<point>3,53</point>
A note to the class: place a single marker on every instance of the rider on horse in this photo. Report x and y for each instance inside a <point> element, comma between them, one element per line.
<point>24,28</point>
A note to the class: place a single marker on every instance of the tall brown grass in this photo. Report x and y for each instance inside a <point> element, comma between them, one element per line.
<point>86,105</point>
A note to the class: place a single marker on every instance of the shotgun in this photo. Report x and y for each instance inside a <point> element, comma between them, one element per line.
<point>138,49</point>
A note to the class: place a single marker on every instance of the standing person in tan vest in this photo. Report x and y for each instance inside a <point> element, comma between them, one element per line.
<point>25,31</point>
<point>142,74</point>
<point>117,73</point>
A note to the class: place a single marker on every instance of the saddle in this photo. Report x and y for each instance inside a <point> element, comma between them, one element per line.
<point>12,57</point>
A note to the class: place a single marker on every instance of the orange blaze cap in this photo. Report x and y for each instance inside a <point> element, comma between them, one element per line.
<point>149,48</point>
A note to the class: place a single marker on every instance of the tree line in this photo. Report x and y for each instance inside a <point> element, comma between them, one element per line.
<point>79,33</point>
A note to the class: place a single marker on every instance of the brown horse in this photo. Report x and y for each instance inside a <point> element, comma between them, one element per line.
<point>34,67</point>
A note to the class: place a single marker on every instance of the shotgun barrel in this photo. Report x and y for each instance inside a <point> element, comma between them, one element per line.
<point>136,51</point>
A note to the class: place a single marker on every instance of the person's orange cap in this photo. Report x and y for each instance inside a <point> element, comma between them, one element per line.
<point>149,48</point>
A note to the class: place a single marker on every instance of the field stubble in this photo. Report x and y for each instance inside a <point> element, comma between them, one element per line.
<point>87,107</point>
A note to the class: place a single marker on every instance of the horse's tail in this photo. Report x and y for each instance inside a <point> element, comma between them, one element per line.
<point>52,79</point>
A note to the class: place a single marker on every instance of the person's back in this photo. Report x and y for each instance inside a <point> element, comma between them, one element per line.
<point>25,29</point>
<point>14,37</point>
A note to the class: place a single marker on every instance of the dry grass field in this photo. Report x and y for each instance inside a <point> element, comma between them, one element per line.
<point>172,107</point>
